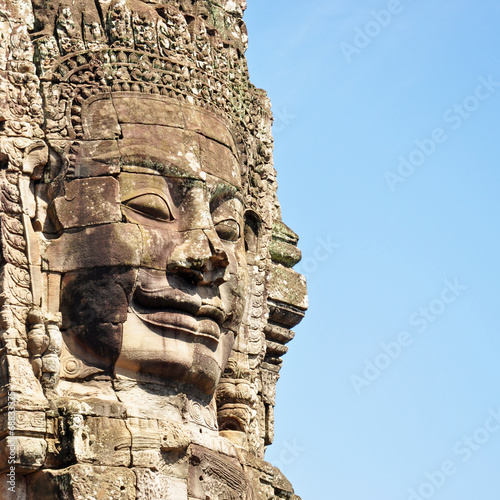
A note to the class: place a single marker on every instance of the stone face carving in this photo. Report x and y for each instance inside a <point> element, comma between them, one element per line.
<point>167,300</point>
<point>147,289</point>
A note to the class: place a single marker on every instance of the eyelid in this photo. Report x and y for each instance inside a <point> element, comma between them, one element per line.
<point>222,193</point>
<point>161,211</point>
<point>224,224</point>
<point>232,219</point>
<point>153,191</point>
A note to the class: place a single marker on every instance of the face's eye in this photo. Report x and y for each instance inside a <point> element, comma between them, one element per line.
<point>228,230</point>
<point>151,206</point>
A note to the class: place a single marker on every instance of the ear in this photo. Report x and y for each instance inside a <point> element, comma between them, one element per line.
<point>253,224</point>
<point>35,158</point>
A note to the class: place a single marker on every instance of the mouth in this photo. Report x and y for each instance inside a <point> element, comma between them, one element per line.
<point>177,310</point>
<point>203,324</point>
<point>178,321</point>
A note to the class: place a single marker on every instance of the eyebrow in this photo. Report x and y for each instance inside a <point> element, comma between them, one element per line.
<point>137,161</point>
<point>221,192</point>
<point>162,168</point>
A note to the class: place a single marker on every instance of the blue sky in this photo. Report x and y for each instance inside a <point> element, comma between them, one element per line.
<point>387,150</point>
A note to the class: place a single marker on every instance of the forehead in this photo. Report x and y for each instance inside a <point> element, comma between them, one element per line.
<point>158,133</point>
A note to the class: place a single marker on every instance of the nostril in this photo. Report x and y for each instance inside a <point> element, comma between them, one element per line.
<point>193,275</point>
<point>186,263</point>
<point>219,260</point>
<point>209,275</point>
<point>188,273</point>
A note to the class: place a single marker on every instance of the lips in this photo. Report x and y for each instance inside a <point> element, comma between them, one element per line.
<point>174,309</point>
<point>177,321</point>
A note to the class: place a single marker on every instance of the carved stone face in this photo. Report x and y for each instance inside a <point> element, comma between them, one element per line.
<point>188,297</point>
<point>150,243</point>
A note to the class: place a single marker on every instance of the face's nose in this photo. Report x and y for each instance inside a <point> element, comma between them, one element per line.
<point>199,258</point>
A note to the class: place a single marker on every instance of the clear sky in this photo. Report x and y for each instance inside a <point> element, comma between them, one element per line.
<point>387,150</point>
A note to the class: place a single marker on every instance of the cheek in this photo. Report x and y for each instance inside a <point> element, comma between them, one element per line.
<point>157,246</point>
<point>97,295</point>
<point>94,307</point>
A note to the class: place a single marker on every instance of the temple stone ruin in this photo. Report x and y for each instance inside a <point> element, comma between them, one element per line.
<point>147,290</point>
